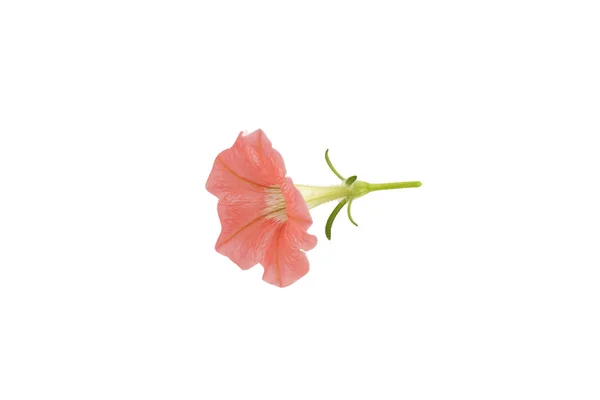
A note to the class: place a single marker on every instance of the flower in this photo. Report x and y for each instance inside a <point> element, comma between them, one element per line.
<point>264,218</point>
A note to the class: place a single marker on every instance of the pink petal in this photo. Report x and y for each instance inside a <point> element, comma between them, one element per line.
<point>251,164</point>
<point>295,206</point>
<point>245,233</point>
<point>284,261</point>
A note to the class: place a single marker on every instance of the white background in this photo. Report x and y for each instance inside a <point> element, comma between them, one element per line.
<point>481,284</point>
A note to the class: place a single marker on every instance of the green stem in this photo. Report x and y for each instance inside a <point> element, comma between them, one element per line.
<point>393,185</point>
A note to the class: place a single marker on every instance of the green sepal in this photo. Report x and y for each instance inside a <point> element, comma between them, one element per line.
<point>331,165</point>
<point>350,212</point>
<point>350,180</point>
<point>331,218</point>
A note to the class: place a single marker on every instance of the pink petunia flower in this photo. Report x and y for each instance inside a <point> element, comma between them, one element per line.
<point>264,216</point>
